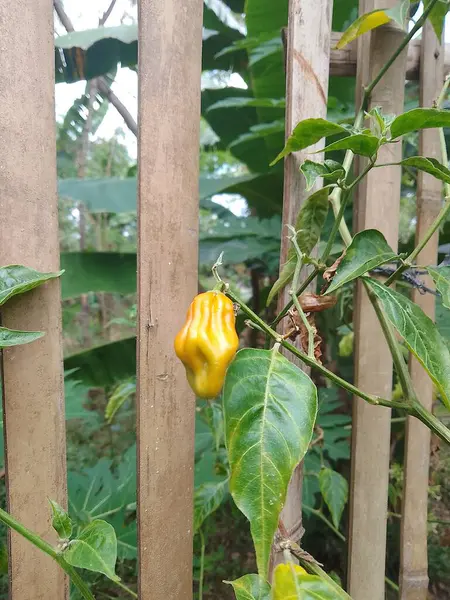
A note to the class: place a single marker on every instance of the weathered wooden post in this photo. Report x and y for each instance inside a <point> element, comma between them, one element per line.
<point>307,68</point>
<point>414,559</point>
<point>377,205</point>
<point>33,392</point>
<point>170,38</point>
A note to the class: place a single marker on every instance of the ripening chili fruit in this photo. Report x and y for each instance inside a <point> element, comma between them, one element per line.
<point>208,342</point>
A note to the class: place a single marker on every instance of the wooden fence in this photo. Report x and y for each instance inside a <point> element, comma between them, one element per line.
<point>169,107</point>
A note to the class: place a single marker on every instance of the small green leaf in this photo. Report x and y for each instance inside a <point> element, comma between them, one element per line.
<point>334,490</point>
<point>437,16</point>
<point>291,582</point>
<point>17,279</point>
<point>310,221</point>
<point>363,24</point>
<point>307,133</point>
<point>330,170</point>
<point>420,334</point>
<point>61,521</point>
<point>367,251</point>
<point>11,337</point>
<point>441,277</point>
<point>251,587</point>
<point>363,144</point>
<point>286,275</point>
<point>399,12</point>
<point>270,407</point>
<point>95,549</point>
<point>429,165</point>
<point>119,396</point>
<point>419,118</point>
<point>207,499</point>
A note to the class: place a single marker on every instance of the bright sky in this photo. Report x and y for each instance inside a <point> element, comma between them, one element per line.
<point>125,84</point>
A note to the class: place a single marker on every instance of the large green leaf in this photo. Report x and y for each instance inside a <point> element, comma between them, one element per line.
<point>270,407</point>
<point>441,277</point>
<point>95,549</point>
<point>334,490</point>
<point>429,165</point>
<point>420,334</point>
<point>95,52</point>
<point>361,143</point>
<point>419,118</point>
<point>98,272</point>
<point>17,279</point>
<point>105,365</point>
<point>207,499</point>
<point>437,16</point>
<point>368,250</point>
<point>291,582</point>
<point>372,20</point>
<point>251,587</point>
<point>12,337</point>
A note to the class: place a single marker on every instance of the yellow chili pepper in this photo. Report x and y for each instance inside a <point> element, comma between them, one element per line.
<point>208,342</point>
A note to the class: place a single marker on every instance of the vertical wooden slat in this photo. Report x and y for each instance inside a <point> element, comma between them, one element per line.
<point>377,206</point>
<point>414,562</point>
<point>307,68</point>
<point>170,37</point>
<point>33,393</point>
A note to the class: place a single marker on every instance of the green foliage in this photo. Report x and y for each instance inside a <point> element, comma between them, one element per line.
<point>118,398</point>
<point>12,337</point>
<point>94,549</point>
<point>251,587</point>
<point>367,251</point>
<point>330,170</point>
<point>420,334</point>
<point>334,489</point>
<point>363,144</point>
<point>428,165</point>
<point>17,279</point>
<point>419,118</point>
<point>207,499</point>
<point>441,277</point>
<point>61,521</point>
<point>268,427</point>
<point>437,16</point>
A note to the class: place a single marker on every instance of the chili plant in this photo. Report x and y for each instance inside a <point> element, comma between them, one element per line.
<point>269,404</point>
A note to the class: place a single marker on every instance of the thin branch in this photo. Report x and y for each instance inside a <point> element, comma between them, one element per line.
<point>107,13</point>
<point>101,81</point>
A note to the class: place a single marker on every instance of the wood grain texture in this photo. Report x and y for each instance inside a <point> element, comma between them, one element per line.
<point>413,549</point>
<point>377,204</point>
<point>33,392</point>
<point>170,37</point>
<point>307,68</point>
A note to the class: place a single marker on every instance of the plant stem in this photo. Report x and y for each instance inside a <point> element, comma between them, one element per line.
<point>202,564</point>
<point>311,362</point>
<point>126,589</point>
<point>315,569</point>
<point>76,579</point>
<point>320,515</point>
<point>300,291</point>
<point>432,422</point>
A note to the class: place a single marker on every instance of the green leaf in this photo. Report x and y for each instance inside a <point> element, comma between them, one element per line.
<point>441,277</point>
<point>241,102</point>
<point>334,489</point>
<point>419,118</point>
<point>368,250</point>
<point>363,144</point>
<point>399,12</point>
<point>207,499</point>
<point>270,407</point>
<point>330,170</point>
<point>12,337</point>
<point>98,272</point>
<point>363,24</point>
<point>61,521</point>
<point>95,549</point>
<point>429,165</point>
<point>119,396</point>
<point>17,279</point>
<point>105,365</point>
<point>437,16</point>
<point>420,334</point>
<point>291,582</point>
<point>251,587</point>
<point>310,221</point>
<point>307,133</point>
